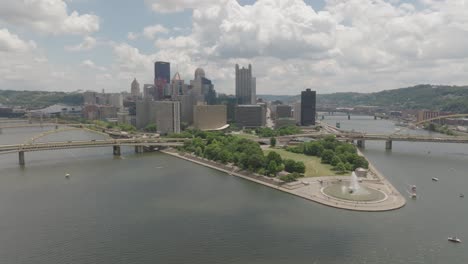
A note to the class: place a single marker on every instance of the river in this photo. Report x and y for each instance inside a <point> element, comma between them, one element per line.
<point>154,208</point>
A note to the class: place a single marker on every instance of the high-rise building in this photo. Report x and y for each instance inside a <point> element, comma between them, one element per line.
<point>168,116</point>
<point>250,115</point>
<point>203,88</point>
<point>283,111</point>
<point>210,117</point>
<point>145,113</point>
<point>135,89</point>
<point>297,113</point>
<point>245,86</point>
<point>177,86</point>
<point>187,101</point>
<point>162,78</point>
<point>308,99</point>
<point>148,91</point>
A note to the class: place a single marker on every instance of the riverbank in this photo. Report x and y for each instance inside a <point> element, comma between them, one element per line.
<point>312,189</point>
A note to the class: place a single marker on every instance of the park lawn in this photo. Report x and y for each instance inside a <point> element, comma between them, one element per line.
<point>314,168</point>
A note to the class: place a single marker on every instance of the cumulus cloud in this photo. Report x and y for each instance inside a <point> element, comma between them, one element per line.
<point>48,16</point>
<point>354,44</point>
<point>10,42</point>
<point>149,32</point>
<point>87,44</point>
<point>91,65</point>
<point>167,6</point>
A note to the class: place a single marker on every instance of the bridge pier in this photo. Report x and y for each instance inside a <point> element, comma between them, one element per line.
<point>21,158</point>
<point>349,116</point>
<point>375,117</point>
<point>361,143</point>
<point>388,144</point>
<point>139,149</point>
<point>56,127</point>
<point>1,131</point>
<point>116,150</point>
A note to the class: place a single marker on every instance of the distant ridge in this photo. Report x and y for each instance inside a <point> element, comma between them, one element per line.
<point>424,96</point>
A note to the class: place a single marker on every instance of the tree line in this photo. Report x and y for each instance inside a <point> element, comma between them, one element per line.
<point>341,155</point>
<point>243,153</point>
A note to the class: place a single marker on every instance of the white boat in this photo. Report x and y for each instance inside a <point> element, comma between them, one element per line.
<point>435,179</point>
<point>454,239</point>
<point>67,175</point>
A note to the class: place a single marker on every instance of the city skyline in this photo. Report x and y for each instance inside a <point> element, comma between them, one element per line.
<point>328,46</point>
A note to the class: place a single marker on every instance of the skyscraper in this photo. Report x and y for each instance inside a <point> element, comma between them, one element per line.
<point>135,89</point>
<point>308,107</point>
<point>245,86</point>
<point>162,78</point>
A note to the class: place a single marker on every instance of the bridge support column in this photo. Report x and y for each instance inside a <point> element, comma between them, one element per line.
<point>349,117</point>
<point>361,143</point>
<point>375,117</point>
<point>21,158</point>
<point>56,127</point>
<point>388,144</point>
<point>139,149</point>
<point>116,150</point>
<point>1,131</point>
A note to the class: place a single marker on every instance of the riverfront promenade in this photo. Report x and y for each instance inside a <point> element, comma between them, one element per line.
<point>311,188</point>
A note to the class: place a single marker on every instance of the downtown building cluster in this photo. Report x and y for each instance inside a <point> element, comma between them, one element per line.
<point>171,104</point>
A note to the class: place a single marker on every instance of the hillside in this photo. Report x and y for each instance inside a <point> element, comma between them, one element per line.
<point>38,99</point>
<point>442,98</point>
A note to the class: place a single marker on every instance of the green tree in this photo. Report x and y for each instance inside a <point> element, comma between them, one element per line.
<point>272,142</point>
<point>313,149</point>
<point>289,165</point>
<point>335,160</point>
<point>151,128</point>
<point>299,167</point>
<point>327,156</point>
<point>273,156</point>
<point>340,167</point>
<point>360,162</point>
<point>272,168</point>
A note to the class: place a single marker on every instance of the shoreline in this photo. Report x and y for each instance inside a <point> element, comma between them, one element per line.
<point>311,188</point>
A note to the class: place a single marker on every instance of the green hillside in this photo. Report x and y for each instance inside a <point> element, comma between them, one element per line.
<point>431,97</point>
<point>38,99</point>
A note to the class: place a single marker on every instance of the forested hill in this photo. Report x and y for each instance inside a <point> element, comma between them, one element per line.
<point>38,99</point>
<point>432,97</point>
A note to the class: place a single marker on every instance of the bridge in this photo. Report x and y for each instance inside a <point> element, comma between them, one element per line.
<point>140,145</point>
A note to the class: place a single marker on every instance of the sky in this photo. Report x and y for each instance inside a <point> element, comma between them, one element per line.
<point>327,45</point>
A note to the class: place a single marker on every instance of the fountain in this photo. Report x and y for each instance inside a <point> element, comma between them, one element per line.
<point>353,191</point>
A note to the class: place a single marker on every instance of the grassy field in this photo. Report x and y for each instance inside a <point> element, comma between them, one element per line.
<point>314,168</point>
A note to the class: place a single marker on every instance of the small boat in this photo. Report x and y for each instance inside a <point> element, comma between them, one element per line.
<point>435,179</point>
<point>67,175</point>
<point>462,195</point>
<point>454,239</point>
<point>414,195</point>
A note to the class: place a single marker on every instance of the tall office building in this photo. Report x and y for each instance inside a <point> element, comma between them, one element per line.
<point>308,98</point>
<point>245,86</point>
<point>168,116</point>
<point>203,88</point>
<point>162,78</point>
<point>250,115</point>
<point>135,89</point>
<point>177,86</point>
<point>148,91</point>
<point>145,113</point>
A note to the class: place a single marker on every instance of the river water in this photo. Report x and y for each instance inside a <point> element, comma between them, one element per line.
<point>153,208</point>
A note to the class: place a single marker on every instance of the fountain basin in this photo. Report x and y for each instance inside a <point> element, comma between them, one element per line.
<point>364,194</point>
